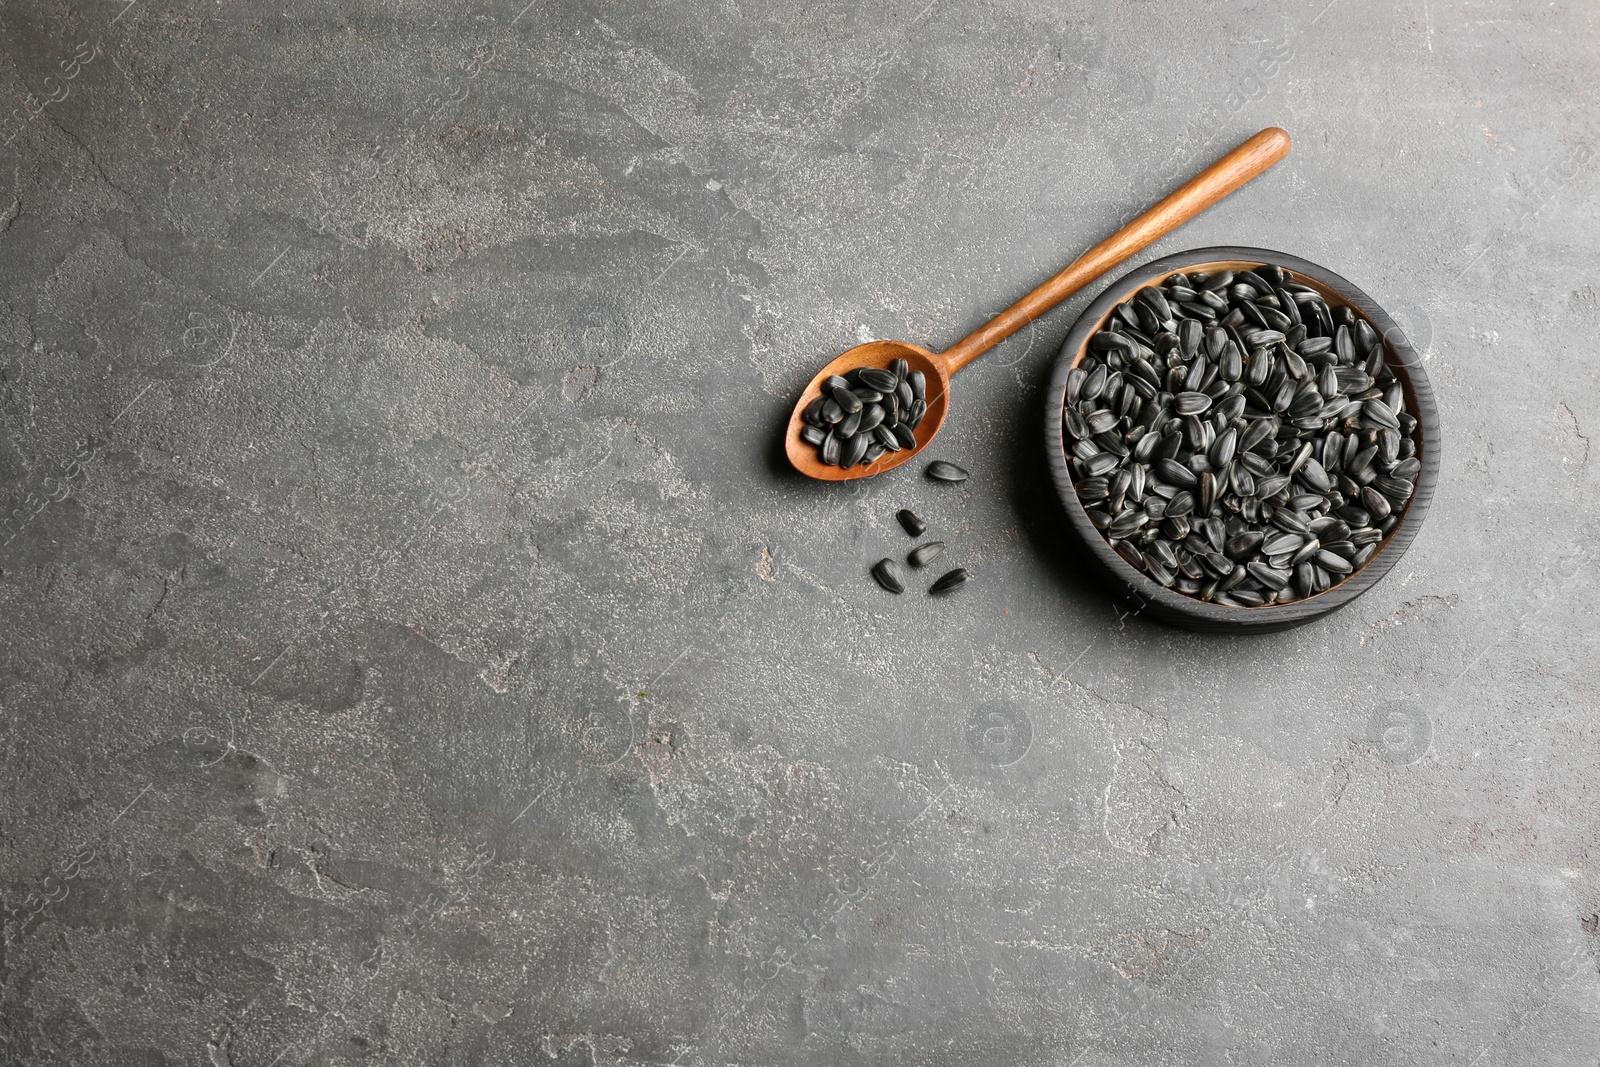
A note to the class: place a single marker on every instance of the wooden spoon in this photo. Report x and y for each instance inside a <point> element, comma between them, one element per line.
<point>1206,188</point>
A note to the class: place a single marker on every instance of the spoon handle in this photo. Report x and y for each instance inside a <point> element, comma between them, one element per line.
<point>1212,184</point>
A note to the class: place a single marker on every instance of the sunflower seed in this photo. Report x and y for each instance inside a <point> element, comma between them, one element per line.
<point>1094,385</point>
<point>1091,489</point>
<point>1305,581</point>
<point>950,580</point>
<point>1270,577</point>
<point>911,522</point>
<point>1388,447</point>
<point>1375,502</point>
<point>1175,473</point>
<point>1098,464</point>
<point>1101,421</point>
<point>941,471</point>
<point>1242,545</point>
<point>1395,488</point>
<point>1305,552</point>
<point>1222,449</point>
<point>922,555</point>
<point>1271,485</point>
<point>1287,519</point>
<point>1313,474</point>
<point>1159,573</point>
<point>887,572</point>
<point>1257,432</point>
<point>1281,543</point>
<point>1137,481</point>
<point>1346,549</point>
<point>1190,333</point>
<point>1330,562</point>
<point>1235,578</point>
<point>1160,549</point>
<point>873,378</point>
<point>1380,414</point>
<point>1207,497</point>
<point>1240,480</point>
<point>1301,455</point>
<point>1407,470</point>
<point>1330,528</point>
<point>1127,523</point>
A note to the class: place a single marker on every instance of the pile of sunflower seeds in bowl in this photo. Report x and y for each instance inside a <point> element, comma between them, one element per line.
<point>1238,439</point>
<point>866,413</point>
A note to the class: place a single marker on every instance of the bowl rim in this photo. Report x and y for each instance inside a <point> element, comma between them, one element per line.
<point>1178,608</point>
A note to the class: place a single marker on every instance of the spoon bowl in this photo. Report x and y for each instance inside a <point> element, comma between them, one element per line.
<point>1212,184</point>
<point>806,458</point>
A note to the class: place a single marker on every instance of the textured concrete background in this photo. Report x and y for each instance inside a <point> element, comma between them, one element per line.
<point>415,650</point>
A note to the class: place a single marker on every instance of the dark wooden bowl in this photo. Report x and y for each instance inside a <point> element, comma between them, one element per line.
<point>1169,605</point>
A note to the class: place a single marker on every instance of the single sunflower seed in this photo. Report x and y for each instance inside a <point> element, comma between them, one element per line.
<point>887,572</point>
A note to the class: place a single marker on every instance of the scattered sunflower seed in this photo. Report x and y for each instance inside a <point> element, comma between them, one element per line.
<point>941,471</point>
<point>912,522</point>
<point>950,580</point>
<point>923,555</point>
<point>887,572</point>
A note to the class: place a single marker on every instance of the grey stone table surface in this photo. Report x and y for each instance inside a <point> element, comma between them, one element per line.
<point>416,650</point>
